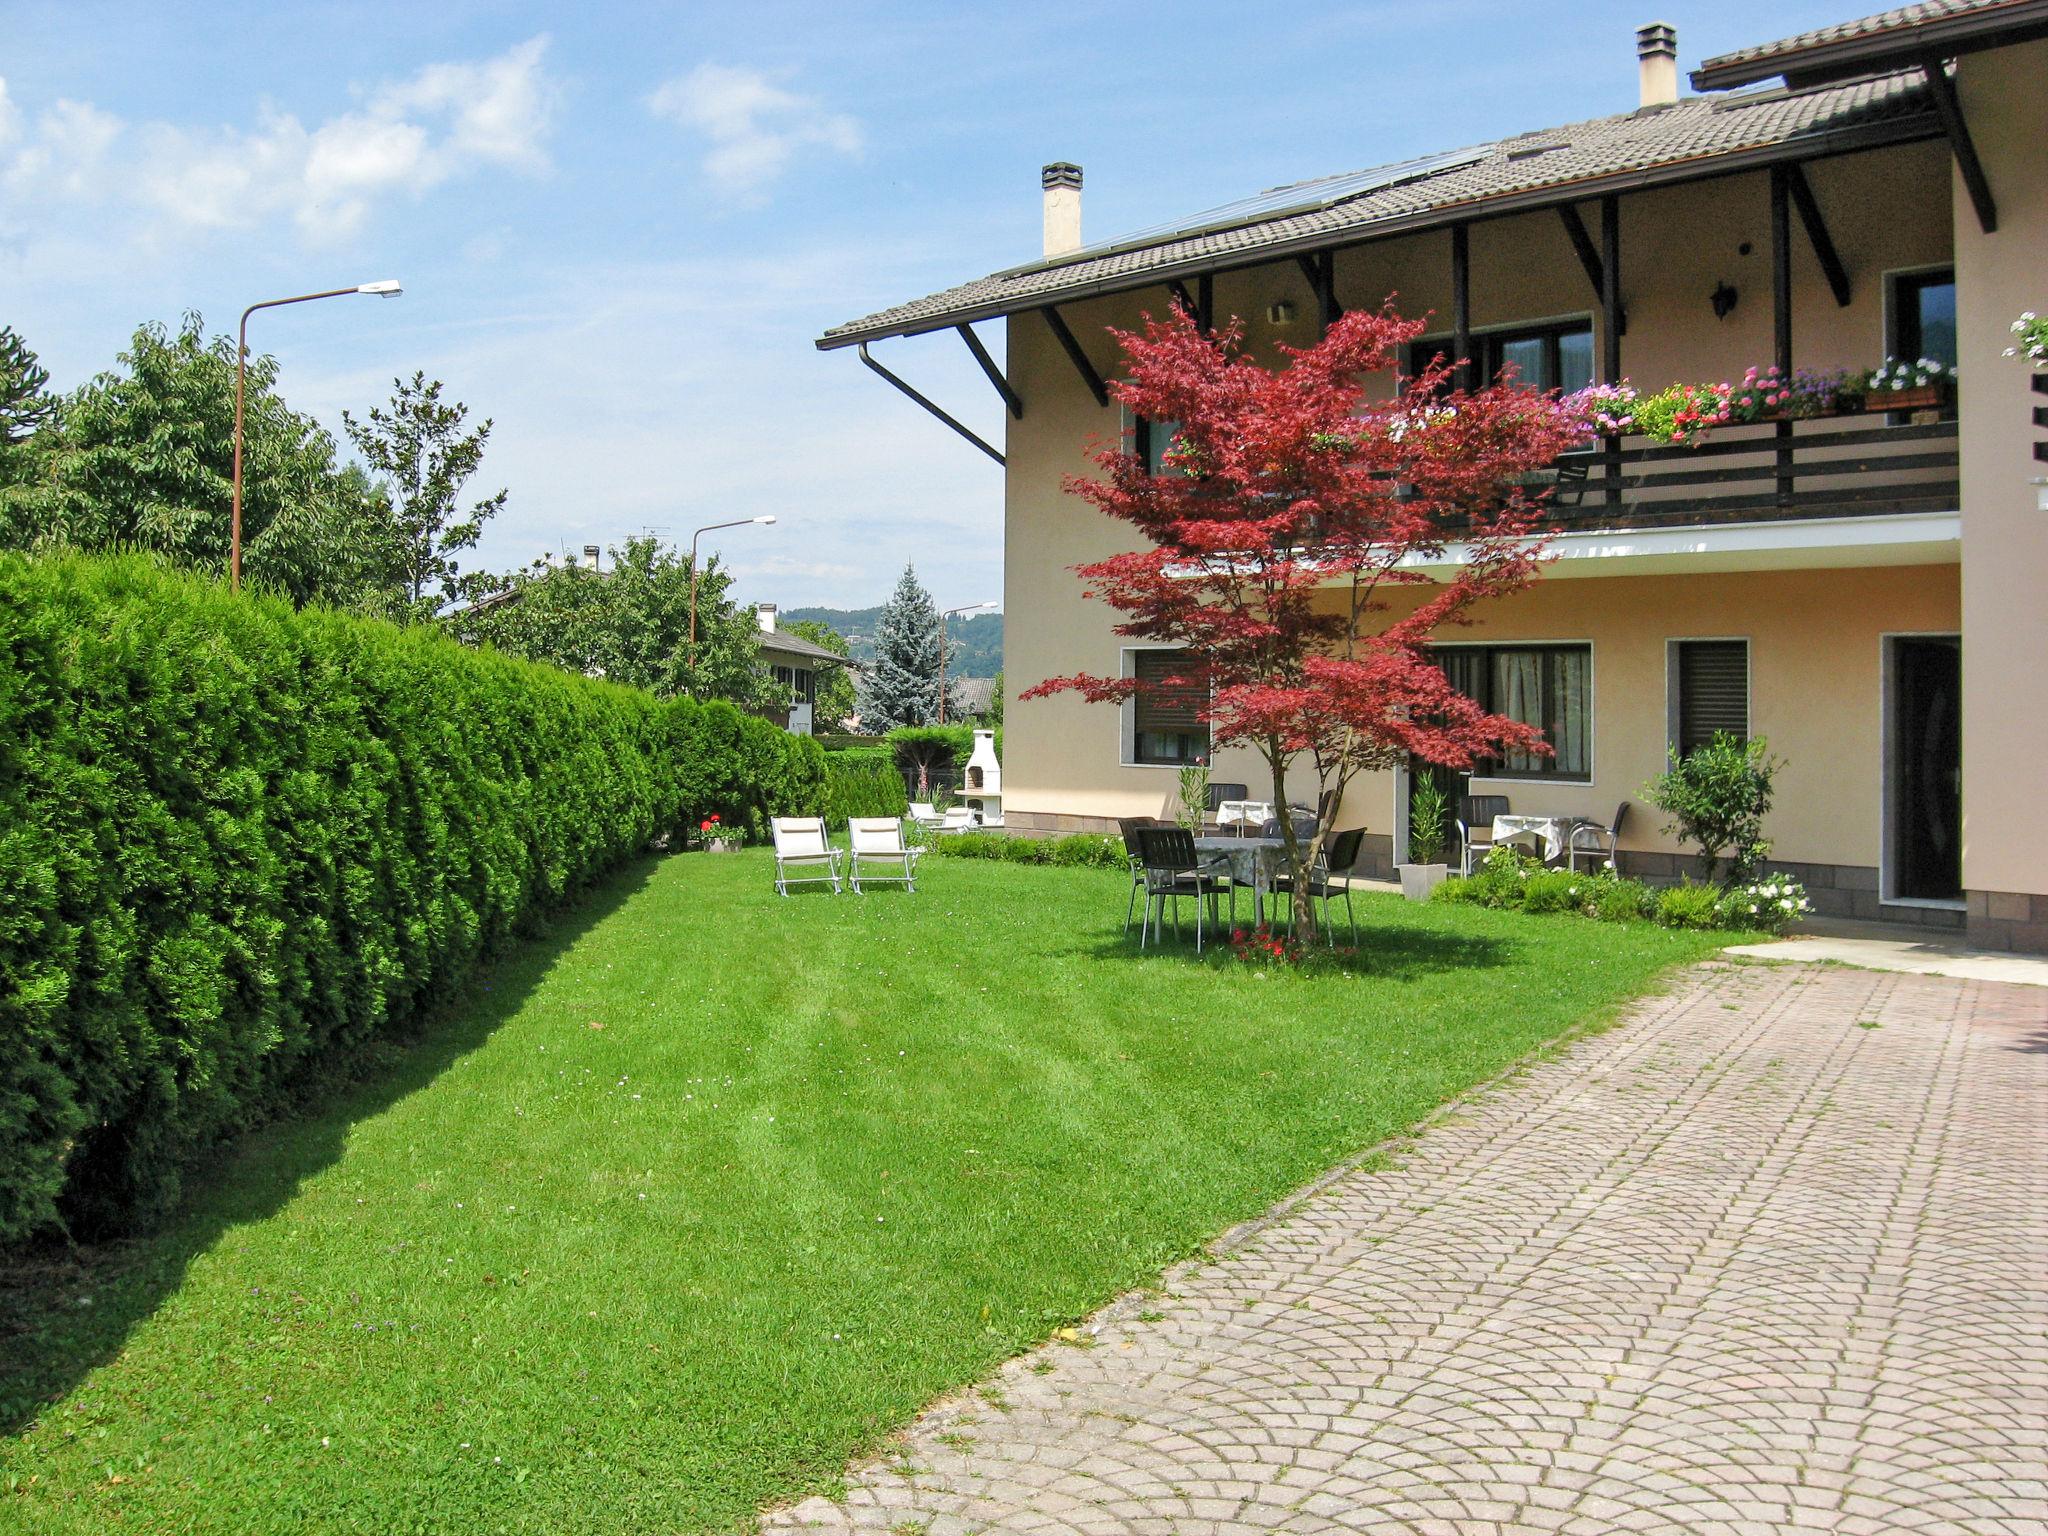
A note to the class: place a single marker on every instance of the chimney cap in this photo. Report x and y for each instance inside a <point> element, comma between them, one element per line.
<point>1659,37</point>
<point>1061,173</point>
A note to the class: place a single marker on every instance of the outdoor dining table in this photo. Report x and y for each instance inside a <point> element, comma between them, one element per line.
<point>1243,813</point>
<point>1251,861</point>
<point>1552,833</point>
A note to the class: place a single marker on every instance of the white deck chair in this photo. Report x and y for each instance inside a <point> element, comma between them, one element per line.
<point>924,811</point>
<point>879,840</point>
<point>801,843</point>
<point>958,819</point>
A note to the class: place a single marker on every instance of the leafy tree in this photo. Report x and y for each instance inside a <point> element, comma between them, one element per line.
<point>420,447</point>
<point>995,700</point>
<point>629,622</point>
<point>835,700</point>
<point>902,687</point>
<point>26,404</point>
<point>1292,505</point>
<point>1717,796</point>
<point>143,457</point>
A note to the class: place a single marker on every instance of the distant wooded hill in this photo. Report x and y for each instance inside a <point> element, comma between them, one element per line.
<point>976,648</point>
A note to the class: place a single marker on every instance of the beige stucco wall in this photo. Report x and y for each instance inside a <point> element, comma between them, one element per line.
<point>1815,657</point>
<point>1888,210</point>
<point>2005,534</point>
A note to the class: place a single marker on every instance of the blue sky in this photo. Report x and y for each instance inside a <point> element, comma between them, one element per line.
<point>620,226</point>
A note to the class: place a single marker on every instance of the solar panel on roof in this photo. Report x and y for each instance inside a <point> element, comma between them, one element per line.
<point>1282,202</point>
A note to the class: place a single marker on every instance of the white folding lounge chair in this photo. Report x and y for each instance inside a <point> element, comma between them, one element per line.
<point>924,811</point>
<point>879,840</point>
<point>958,819</point>
<point>801,843</point>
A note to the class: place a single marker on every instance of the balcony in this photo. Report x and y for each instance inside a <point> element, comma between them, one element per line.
<point>1836,466</point>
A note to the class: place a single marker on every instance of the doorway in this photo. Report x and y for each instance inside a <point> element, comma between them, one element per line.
<point>1924,768</point>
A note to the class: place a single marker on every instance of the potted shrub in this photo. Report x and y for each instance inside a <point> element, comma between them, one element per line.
<point>1428,809</point>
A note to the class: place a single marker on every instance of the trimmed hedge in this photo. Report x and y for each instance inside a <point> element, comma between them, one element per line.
<point>1083,849</point>
<point>741,768</point>
<point>859,785</point>
<point>239,844</point>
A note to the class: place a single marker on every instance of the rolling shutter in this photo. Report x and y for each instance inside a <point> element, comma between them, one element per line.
<point>1175,708</point>
<point>1713,691</point>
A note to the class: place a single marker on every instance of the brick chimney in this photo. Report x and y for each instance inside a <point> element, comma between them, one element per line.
<point>1657,65</point>
<point>764,615</point>
<point>1062,183</point>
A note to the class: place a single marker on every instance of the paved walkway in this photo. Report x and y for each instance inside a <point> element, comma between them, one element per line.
<point>1744,1265</point>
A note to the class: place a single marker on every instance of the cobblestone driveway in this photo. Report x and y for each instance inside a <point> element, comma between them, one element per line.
<point>1743,1265</point>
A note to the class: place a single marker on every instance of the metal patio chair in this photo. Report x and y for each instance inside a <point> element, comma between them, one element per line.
<point>1592,841</point>
<point>801,842</point>
<point>1477,812</point>
<point>1173,869</point>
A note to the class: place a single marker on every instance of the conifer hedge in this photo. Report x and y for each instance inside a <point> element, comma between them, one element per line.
<point>240,842</point>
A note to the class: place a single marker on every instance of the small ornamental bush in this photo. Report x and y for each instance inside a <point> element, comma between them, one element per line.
<point>1556,890</point>
<point>1689,906</point>
<point>1716,797</point>
<point>2030,333</point>
<point>1617,900</point>
<point>1772,903</point>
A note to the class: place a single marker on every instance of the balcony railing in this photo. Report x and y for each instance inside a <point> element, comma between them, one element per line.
<point>1832,466</point>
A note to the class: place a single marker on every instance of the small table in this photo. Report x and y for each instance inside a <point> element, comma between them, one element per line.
<point>1243,813</point>
<point>1252,861</point>
<point>1553,833</point>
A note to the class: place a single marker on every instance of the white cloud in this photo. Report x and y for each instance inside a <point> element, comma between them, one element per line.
<point>407,138</point>
<point>754,126</point>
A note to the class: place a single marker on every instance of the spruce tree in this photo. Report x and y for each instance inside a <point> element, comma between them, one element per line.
<point>902,686</point>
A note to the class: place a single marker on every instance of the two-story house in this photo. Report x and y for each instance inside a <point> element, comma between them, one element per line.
<point>1866,591</point>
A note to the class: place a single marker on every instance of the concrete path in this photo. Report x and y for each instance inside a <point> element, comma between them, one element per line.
<point>1773,1256</point>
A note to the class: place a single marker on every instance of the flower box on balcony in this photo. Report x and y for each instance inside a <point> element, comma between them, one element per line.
<point>1926,397</point>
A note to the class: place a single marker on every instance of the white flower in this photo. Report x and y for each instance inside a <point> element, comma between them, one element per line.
<point>1752,906</point>
<point>1786,904</point>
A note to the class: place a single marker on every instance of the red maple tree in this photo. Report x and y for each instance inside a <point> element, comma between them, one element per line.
<point>1294,503</point>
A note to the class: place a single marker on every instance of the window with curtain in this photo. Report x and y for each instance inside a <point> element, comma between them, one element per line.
<point>1547,686</point>
<point>1166,724</point>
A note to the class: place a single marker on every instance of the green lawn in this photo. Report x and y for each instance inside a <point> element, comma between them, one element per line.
<point>712,1189</point>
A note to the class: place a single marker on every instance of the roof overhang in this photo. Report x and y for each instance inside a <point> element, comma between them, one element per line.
<point>1828,60</point>
<point>1815,543</point>
<point>1809,146</point>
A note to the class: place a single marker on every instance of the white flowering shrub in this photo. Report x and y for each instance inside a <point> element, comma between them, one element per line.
<point>1772,904</point>
<point>2030,334</point>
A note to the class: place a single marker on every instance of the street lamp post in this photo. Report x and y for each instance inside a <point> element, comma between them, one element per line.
<point>738,522</point>
<point>944,647</point>
<point>387,289</point>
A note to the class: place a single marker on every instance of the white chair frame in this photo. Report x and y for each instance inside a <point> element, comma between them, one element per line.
<point>802,842</point>
<point>879,839</point>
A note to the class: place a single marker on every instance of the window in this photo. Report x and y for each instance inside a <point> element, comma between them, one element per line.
<point>1165,723</point>
<point>1923,316</point>
<point>1547,686</point>
<point>801,683</point>
<point>1709,691</point>
<point>1555,356</point>
<point>1153,440</point>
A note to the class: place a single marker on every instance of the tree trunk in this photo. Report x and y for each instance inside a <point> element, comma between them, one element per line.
<point>1301,856</point>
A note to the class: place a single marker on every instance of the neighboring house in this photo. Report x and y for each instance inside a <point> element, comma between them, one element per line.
<point>795,663</point>
<point>1874,188</point>
<point>970,698</point>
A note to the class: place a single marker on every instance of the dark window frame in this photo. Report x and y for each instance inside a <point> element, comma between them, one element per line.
<point>1547,770</point>
<point>1489,348</point>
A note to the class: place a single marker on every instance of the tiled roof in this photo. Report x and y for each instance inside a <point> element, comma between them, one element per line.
<point>1607,154</point>
<point>790,644</point>
<point>1842,44</point>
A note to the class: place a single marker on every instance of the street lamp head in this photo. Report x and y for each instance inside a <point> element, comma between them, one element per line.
<point>387,289</point>
<point>766,517</point>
